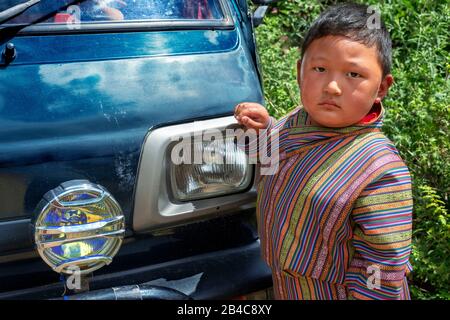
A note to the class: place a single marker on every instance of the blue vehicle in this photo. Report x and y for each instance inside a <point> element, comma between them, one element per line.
<point>95,96</point>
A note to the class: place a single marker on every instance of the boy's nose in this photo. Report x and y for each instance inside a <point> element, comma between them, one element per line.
<point>333,88</point>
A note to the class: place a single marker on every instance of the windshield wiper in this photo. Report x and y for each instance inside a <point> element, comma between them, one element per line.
<point>10,13</point>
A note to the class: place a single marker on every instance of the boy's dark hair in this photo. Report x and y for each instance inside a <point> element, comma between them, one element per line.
<point>351,20</point>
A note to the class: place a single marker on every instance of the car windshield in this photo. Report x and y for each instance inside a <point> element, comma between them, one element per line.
<point>90,11</point>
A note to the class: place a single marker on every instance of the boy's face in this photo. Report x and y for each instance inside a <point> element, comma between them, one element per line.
<point>339,80</point>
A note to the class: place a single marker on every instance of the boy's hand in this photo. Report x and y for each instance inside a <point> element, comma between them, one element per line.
<point>252,115</point>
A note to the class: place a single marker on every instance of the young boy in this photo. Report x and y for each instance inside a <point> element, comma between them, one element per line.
<point>335,219</point>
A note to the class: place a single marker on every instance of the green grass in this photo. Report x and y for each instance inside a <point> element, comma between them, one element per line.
<point>417,112</point>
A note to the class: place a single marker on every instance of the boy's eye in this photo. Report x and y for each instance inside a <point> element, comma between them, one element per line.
<point>353,75</point>
<point>319,69</point>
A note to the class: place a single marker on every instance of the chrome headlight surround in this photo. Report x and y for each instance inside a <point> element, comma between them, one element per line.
<point>156,206</point>
<point>79,224</point>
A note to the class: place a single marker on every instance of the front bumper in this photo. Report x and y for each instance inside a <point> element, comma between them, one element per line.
<point>215,275</point>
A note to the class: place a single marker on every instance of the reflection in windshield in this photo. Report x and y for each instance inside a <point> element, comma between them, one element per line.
<point>121,10</point>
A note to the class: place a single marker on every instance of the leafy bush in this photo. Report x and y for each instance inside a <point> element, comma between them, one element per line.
<point>417,112</point>
<point>431,250</point>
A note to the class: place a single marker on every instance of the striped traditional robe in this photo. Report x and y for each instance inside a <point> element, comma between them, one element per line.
<point>335,220</point>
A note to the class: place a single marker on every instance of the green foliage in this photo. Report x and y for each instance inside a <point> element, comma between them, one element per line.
<point>431,248</point>
<point>417,111</point>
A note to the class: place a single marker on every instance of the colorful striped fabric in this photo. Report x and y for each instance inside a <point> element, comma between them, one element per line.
<point>335,220</point>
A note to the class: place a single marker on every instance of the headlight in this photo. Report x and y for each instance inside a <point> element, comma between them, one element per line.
<point>192,171</point>
<point>214,168</point>
<point>79,224</point>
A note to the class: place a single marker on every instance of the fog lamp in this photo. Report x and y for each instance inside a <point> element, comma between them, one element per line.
<point>79,227</point>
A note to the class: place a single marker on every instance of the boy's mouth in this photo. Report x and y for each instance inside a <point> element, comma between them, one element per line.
<point>329,103</point>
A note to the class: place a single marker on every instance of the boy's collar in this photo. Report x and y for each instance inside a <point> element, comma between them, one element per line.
<point>373,115</point>
<point>301,134</point>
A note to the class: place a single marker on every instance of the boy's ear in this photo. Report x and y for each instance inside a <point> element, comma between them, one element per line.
<point>386,83</point>
<point>299,70</point>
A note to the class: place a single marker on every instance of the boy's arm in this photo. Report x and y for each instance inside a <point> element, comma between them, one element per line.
<point>250,144</point>
<point>382,237</point>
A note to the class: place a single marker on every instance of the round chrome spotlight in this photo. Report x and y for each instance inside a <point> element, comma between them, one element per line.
<point>79,227</point>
